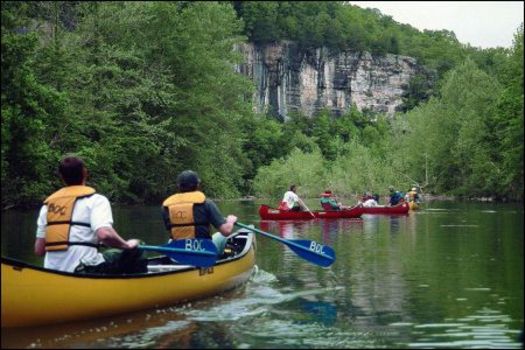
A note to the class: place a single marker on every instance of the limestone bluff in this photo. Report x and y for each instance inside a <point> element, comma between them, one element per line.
<point>288,79</point>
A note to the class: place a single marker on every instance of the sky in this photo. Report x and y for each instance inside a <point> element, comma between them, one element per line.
<point>479,23</point>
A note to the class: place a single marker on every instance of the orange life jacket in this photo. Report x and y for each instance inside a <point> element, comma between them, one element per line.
<point>180,212</point>
<point>283,206</point>
<point>60,207</point>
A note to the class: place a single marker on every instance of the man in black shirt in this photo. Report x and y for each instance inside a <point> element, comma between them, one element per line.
<point>188,213</point>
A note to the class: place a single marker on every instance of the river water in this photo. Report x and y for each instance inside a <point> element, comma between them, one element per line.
<point>447,276</point>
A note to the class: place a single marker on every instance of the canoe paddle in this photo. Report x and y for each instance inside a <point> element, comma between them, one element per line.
<point>309,250</point>
<point>307,209</point>
<point>195,252</point>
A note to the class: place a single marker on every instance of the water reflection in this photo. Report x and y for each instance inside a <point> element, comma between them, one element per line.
<point>394,224</point>
<point>320,311</point>
<point>330,229</point>
<point>295,229</point>
<point>486,328</point>
<point>288,229</point>
<point>283,229</point>
<point>83,334</point>
<point>371,224</point>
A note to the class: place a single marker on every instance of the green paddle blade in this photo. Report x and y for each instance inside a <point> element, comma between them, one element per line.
<point>195,252</point>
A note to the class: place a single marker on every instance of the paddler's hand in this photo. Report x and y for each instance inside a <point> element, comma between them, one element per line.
<point>227,227</point>
<point>231,219</point>
<point>132,243</point>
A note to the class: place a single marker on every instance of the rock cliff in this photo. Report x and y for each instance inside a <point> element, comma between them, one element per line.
<point>288,79</point>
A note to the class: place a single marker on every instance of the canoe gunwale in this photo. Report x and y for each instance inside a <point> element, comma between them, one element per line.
<point>350,213</point>
<point>399,209</point>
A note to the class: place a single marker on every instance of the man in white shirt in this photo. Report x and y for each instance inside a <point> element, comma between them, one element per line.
<point>74,220</point>
<point>291,201</point>
<point>370,202</point>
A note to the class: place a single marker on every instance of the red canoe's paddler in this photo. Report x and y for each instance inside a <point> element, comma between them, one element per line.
<point>291,201</point>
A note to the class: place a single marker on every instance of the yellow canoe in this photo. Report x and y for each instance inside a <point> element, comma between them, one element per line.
<point>34,296</point>
<point>413,206</point>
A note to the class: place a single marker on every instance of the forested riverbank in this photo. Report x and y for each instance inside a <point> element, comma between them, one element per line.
<point>144,90</point>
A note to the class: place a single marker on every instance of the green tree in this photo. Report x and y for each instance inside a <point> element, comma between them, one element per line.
<point>260,20</point>
<point>306,170</point>
<point>509,122</point>
<point>26,106</point>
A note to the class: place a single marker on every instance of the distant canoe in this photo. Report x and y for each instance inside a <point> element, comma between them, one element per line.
<point>395,210</point>
<point>33,296</point>
<point>269,213</point>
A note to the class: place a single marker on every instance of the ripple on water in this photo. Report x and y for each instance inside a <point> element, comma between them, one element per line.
<point>148,337</point>
<point>281,333</point>
<point>254,303</point>
<point>473,331</point>
<point>401,324</point>
<point>476,344</point>
<point>263,277</point>
<point>480,289</point>
<point>438,325</point>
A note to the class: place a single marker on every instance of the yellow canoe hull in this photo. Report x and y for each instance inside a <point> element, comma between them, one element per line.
<point>35,296</point>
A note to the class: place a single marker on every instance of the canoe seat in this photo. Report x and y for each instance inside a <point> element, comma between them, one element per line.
<point>233,246</point>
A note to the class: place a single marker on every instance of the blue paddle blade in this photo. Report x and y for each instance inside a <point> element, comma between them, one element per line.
<point>195,252</point>
<point>312,251</point>
<point>309,250</point>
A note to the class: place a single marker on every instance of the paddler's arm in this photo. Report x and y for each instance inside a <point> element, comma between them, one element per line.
<point>225,226</point>
<point>40,246</point>
<point>111,238</point>
<point>101,219</point>
<point>40,241</point>
<point>106,235</point>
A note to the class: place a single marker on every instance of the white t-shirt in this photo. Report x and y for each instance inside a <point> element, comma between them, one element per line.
<point>370,203</point>
<point>290,198</point>
<point>94,209</point>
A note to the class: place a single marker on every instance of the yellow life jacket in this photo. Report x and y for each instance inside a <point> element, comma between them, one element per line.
<point>60,207</point>
<point>179,209</point>
<point>412,195</point>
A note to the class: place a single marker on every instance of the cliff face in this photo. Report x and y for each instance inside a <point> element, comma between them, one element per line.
<point>287,79</point>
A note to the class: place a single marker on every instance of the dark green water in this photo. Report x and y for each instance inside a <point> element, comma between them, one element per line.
<point>447,276</point>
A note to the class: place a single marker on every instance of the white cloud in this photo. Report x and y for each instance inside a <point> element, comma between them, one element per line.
<point>479,23</point>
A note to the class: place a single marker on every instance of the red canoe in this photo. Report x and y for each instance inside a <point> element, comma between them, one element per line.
<point>268,213</point>
<point>397,209</point>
